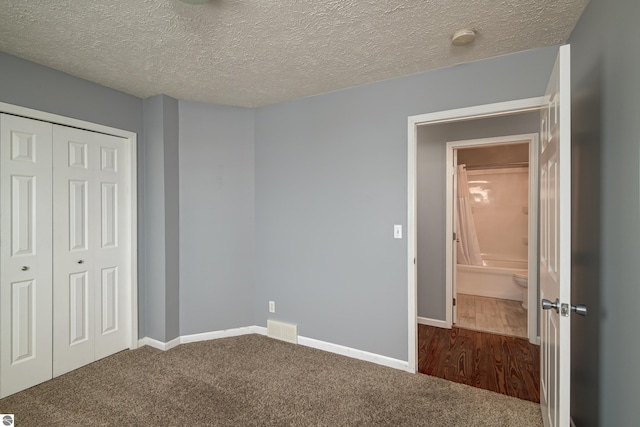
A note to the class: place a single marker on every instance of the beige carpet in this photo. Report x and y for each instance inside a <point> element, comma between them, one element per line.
<point>256,381</point>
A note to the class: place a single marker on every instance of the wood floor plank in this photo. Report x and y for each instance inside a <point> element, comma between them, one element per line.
<point>504,364</point>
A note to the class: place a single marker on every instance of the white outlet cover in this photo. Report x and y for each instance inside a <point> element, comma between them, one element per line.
<point>397,231</point>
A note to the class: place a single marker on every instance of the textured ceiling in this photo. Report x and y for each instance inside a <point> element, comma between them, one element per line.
<point>257,52</point>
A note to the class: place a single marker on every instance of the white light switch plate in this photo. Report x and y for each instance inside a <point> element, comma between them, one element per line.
<point>397,231</point>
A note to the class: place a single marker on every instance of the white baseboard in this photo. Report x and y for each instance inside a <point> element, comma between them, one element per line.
<point>433,322</point>
<point>261,330</point>
<point>217,334</point>
<point>164,346</point>
<point>354,353</point>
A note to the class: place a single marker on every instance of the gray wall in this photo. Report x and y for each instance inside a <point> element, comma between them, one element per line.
<point>331,180</point>
<point>162,217</point>
<point>41,88</point>
<point>431,182</point>
<point>606,135</point>
<point>217,217</point>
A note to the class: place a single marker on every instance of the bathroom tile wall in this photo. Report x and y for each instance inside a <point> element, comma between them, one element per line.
<point>500,200</point>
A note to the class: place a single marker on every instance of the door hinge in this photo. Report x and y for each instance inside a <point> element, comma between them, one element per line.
<point>455,236</point>
<point>454,302</point>
<point>414,261</point>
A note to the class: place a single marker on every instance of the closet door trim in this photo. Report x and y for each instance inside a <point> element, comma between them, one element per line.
<point>131,140</point>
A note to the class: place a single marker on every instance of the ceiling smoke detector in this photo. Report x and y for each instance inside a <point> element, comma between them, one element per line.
<point>462,37</point>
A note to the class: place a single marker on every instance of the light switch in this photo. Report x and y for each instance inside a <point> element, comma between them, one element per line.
<point>397,231</point>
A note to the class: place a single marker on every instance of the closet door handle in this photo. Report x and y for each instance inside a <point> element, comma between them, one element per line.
<point>80,261</point>
<point>24,268</point>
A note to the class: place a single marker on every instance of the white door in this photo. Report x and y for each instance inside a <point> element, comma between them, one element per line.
<point>555,245</point>
<point>90,219</point>
<point>25,241</point>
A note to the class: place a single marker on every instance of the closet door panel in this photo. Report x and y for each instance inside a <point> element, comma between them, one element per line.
<point>74,212</point>
<point>111,255</point>
<point>25,253</point>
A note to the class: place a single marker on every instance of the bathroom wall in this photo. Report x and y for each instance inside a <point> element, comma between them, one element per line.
<point>499,198</point>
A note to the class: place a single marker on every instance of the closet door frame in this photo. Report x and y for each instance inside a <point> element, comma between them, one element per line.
<point>132,244</point>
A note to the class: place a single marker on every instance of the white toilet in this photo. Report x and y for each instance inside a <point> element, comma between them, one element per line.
<point>522,279</point>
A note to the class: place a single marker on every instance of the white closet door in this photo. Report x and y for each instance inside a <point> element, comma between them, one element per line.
<point>89,218</point>
<point>112,259</point>
<point>25,273</point>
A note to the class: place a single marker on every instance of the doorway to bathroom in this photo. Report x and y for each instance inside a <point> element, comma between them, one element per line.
<point>434,202</point>
<point>491,216</point>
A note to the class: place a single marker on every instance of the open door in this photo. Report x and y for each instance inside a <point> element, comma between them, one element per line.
<point>555,245</point>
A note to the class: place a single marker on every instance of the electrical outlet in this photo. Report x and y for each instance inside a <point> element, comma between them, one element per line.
<point>397,231</point>
<point>272,306</point>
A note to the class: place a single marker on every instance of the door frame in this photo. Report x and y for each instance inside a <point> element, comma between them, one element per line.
<point>132,143</point>
<point>447,116</point>
<point>532,224</point>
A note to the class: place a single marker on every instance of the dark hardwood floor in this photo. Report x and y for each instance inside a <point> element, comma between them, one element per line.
<point>503,364</point>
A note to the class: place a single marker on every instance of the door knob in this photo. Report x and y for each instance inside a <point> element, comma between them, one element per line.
<point>579,309</point>
<point>80,261</point>
<point>24,268</point>
<point>548,305</point>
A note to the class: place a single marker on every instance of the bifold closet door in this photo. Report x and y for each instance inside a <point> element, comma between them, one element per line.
<point>90,217</point>
<point>25,266</point>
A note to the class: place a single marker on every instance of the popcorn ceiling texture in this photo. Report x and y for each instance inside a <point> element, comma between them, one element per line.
<point>252,53</point>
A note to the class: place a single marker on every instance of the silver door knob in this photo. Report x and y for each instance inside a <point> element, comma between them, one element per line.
<point>80,261</point>
<point>580,309</point>
<point>24,268</point>
<point>548,305</point>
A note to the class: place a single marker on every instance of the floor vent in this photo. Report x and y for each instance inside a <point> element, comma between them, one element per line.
<point>282,331</point>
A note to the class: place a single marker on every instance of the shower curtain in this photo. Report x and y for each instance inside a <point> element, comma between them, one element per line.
<point>468,248</point>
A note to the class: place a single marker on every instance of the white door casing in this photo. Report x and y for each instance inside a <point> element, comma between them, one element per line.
<point>454,247</point>
<point>555,244</point>
<point>90,218</point>
<point>25,270</point>
<point>451,211</point>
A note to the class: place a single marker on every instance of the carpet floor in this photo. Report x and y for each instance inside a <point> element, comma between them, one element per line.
<point>253,380</point>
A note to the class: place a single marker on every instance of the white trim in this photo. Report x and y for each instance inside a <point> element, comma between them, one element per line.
<point>261,330</point>
<point>487,110</point>
<point>206,336</point>
<point>354,353</point>
<point>572,423</point>
<point>448,245</point>
<point>434,322</point>
<point>62,120</point>
<point>131,138</point>
<point>478,111</point>
<point>532,140</point>
<point>412,248</point>
<point>164,346</point>
<point>534,250</point>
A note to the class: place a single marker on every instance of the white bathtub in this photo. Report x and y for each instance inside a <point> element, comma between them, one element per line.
<point>494,279</point>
